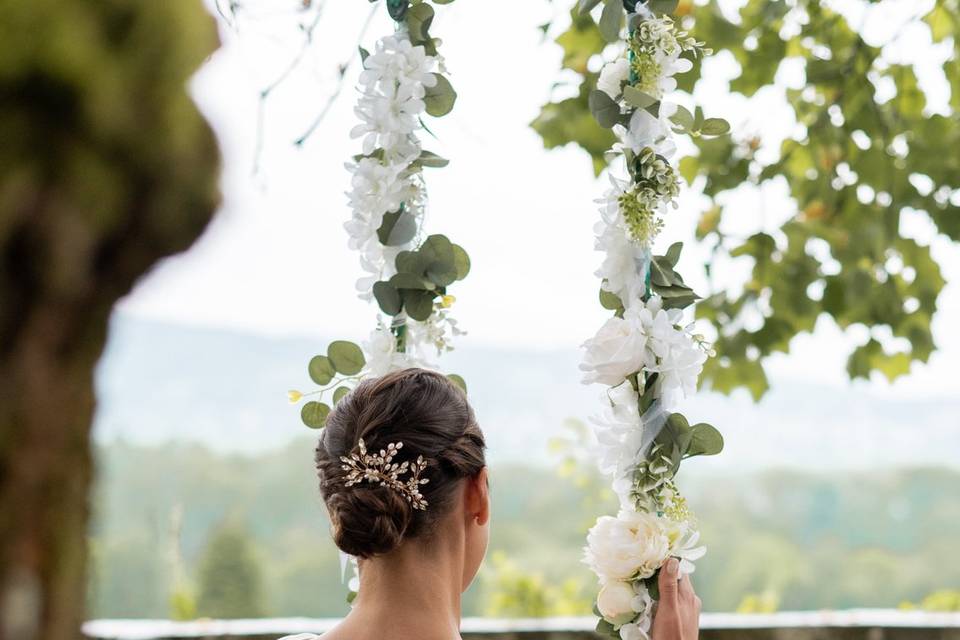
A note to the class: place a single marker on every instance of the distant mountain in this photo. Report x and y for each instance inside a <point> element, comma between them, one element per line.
<point>159,381</point>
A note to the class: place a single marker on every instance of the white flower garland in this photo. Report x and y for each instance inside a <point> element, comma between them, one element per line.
<point>645,354</point>
<point>406,273</point>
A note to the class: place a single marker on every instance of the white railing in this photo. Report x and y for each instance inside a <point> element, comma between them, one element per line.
<point>277,627</point>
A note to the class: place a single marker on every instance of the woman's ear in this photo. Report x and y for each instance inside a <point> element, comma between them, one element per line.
<point>478,497</point>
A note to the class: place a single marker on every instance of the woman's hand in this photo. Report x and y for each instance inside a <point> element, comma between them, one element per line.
<point>678,613</point>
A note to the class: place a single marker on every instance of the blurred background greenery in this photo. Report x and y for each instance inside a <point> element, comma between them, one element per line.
<point>244,535</point>
<point>832,210</point>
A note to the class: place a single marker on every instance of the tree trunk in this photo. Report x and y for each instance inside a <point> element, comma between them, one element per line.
<point>105,167</point>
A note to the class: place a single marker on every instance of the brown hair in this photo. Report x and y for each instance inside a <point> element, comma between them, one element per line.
<point>431,417</point>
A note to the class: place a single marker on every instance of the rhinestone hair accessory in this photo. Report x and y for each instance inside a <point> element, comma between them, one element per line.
<point>380,468</point>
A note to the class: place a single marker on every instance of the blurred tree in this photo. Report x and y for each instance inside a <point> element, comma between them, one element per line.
<point>766,602</point>
<point>514,593</point>
<point>230,579</point>
<point>866,149</point>
<point>106,166</point>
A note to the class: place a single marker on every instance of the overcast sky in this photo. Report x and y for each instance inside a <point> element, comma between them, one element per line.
<point>275,258</point>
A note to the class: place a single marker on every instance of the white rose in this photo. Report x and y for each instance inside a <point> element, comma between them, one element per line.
<point>632,545</point>
<point>612,77</point>
<point>614,353</point>
<point>615,602</point>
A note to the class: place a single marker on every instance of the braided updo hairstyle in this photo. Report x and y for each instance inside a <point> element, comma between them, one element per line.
<point>431,417</point>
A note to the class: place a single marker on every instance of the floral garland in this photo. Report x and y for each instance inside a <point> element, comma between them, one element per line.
<point>645,354</point>
<point>407,273</point>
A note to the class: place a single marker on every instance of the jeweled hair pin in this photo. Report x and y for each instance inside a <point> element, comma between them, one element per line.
<point>379,468</point>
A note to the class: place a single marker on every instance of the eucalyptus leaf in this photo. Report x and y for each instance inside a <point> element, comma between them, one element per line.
<point>662,273</point>
<point>439,257</point>
<point>397,228</point>
<point>387,297</point>
<point>461,261</point>
<point>321,370</point>
<point>676,433</point>
<point>637,98</point>
<point>431,160</point>
<point>649,395</point>
<point>314,414</point>
<point>604,108</point>
<point>673,253</point>
<point>409,262</point>
<point>585,6</point>
<point>410,281</point>
<point>340,393</point>
<point>610,300</point>
<point>347,358</point>
<point>364,54</point>
<point>418,304</point>
<point>419,18</point>
<point>458,380</point>
<point>606,629</point>
<point>663,6</point>
<point>706,441</point>
<point>653,585</point>
<point>442,275</point>
<point>440,98</point>
<point>611,20</point>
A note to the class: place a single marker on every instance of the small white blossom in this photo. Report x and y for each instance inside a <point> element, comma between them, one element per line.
<point>642,604</point>
<point>382,356</point>
<point>393,85</point>
<point>623,270</point>
<point>647,130</point>
<point>612,76</point>
<point>672,351</point>
<point>683,538</point>
<point>618,430</point>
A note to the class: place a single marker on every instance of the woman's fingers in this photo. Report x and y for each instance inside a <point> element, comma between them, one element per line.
<point>686,587</point>
<point>669,587</point>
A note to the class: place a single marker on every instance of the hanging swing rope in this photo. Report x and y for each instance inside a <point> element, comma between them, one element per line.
<point>645,355</point>
<point>407,273</point>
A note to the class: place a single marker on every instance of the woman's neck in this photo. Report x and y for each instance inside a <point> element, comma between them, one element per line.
<point>413,591</point>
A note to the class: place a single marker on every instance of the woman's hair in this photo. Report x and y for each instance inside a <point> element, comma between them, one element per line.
<point>432,418</point>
